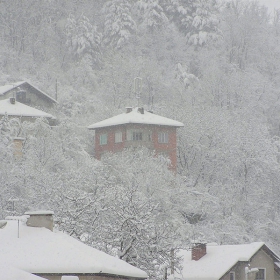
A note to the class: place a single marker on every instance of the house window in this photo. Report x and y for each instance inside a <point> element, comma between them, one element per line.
<point>163,137</point>
<point>260,275</point>
<point>103,139</point>
<point>135,135</point>
<point>118,137</point>
<point>232,275</point>
<point>21,96</point>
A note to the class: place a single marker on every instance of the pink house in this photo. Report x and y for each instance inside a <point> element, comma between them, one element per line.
<point>137,128</point>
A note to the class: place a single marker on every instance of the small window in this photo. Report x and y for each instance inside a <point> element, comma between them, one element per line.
<point>137,136</point>
<point>103,139</point>
<point>163,137</point>
<point>260,275</point>
<point>118,137</point>
<point>21,96</point>
<point>134,135</point>
<point>232,275</point>
<point>149,137</point>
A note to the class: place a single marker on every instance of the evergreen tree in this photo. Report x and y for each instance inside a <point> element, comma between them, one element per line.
<point>119,24</point>
<point>198,19</point>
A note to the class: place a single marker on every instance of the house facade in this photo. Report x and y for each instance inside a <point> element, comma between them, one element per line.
<point>262,260</point>
<point>28,94</point>
<point>137,128</point>
<point>30,243</point>
<point>254,261</point>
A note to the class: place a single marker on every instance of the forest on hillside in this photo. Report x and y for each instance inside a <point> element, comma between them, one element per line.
<point>213,65</point>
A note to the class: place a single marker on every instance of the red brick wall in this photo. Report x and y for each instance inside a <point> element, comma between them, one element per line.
<point>168,149</point>
<point>111,146</point>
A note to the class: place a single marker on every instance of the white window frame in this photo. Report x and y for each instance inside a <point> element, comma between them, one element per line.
<point>118,137</point>
<point>264,269</point>
<point>103,139</point>
<point>163,137</point>
<point>232,273</point>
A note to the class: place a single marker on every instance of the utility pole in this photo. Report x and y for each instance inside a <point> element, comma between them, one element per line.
<point>56,89</point>
<point>138,88</point>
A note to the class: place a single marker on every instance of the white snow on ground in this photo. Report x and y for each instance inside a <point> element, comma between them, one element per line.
<point>39,250</point>
<point>21,110</point>
<point>217,261</point>
<point>135,117</point>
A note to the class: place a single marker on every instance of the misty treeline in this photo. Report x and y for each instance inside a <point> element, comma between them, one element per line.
<point>213,66</point>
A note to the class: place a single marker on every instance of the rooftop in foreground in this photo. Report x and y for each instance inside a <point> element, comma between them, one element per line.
<point>39,250</point>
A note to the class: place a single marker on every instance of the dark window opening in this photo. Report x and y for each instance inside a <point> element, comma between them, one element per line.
<point>21,96</point>
<point>260,275</point>
<point>137,136</point>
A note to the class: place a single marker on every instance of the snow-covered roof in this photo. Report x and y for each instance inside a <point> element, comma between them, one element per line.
<point>8,272</point>
<point>217,262</point>
<point>39,212</point>
<point>136,117</point>
<point>21,110</point>
<point>41,251</point>
<point>6,88</point>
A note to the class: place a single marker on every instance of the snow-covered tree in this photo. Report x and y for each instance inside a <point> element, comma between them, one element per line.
<point>245,22</point>
<point>83,38</point>
<point>152,14</point>
<point>140,224</point>
<point>5,135</point>
<point>184,76</point>
<point>119,24</point>
<point>196,19</point>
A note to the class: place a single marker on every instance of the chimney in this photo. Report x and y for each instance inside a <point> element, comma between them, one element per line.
<point>12,100</point>
<point>141,110</point>
<point>40,219</point>
<point>198,251</point>
<point>18,145</point>
<point>128,109</point>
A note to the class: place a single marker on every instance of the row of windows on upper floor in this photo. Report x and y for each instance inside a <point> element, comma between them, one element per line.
<point>134,135</point>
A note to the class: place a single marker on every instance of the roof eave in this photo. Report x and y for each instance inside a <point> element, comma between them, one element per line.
<point>90,274</point>
<point>93,127</point>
